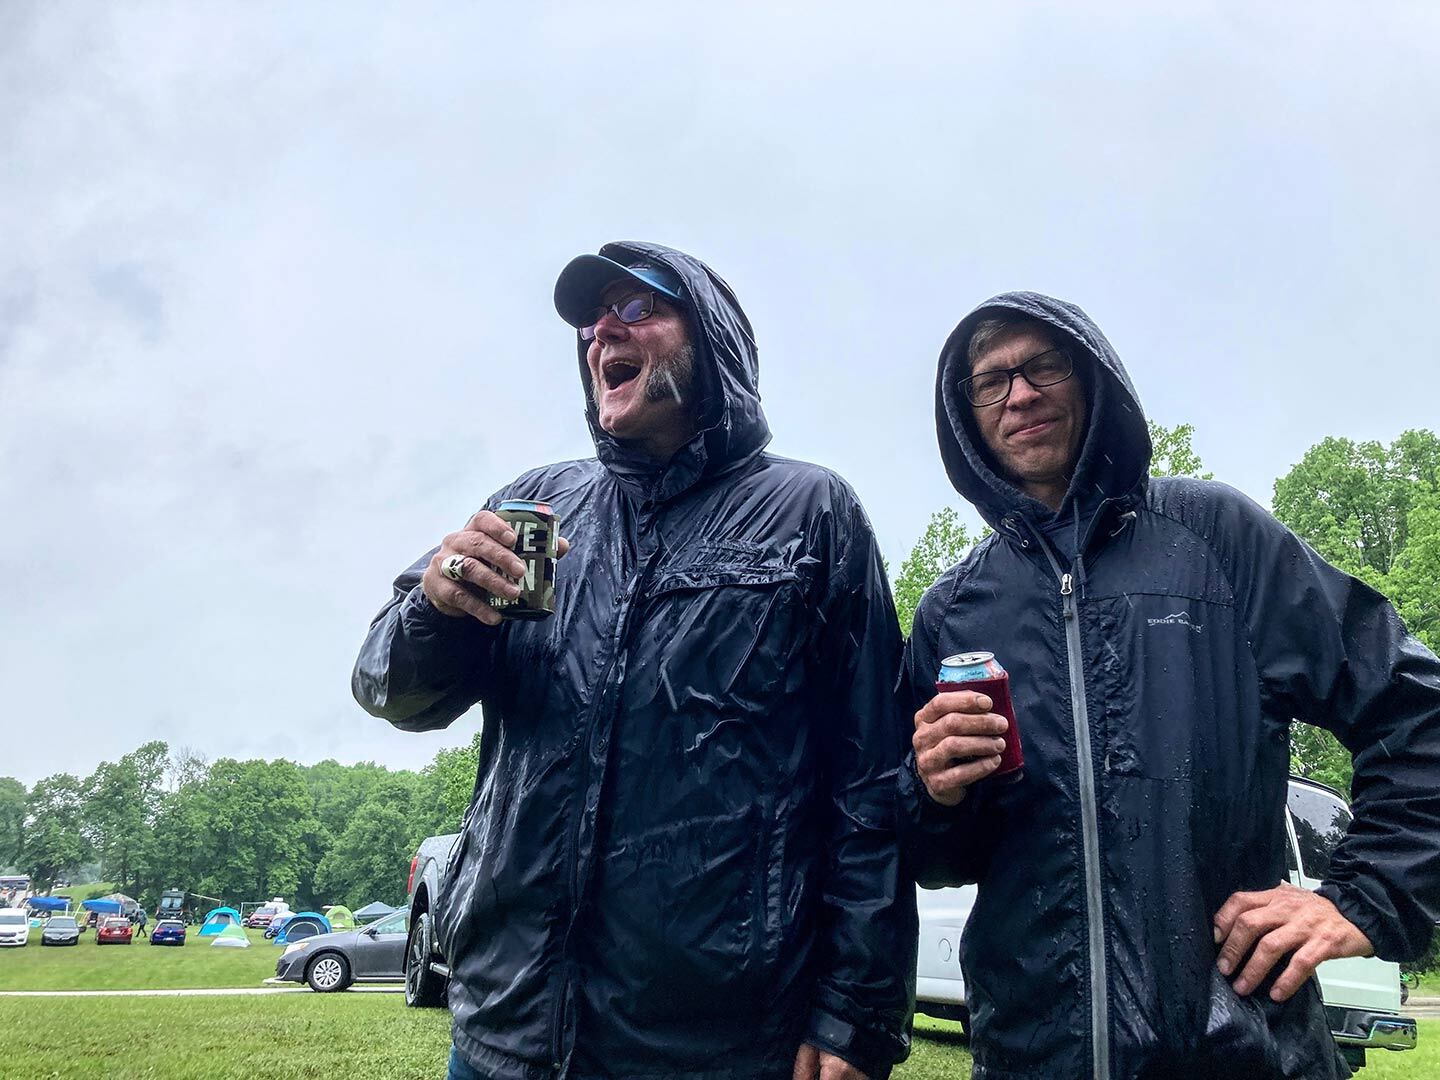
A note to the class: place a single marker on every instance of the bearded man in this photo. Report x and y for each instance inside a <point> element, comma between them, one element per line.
<point>681,858</point>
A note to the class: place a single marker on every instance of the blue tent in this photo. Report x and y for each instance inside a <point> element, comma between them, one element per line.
<point>218,919</point>
<point>48,903</point>
<point>105,907</point>
<point>304,925</point>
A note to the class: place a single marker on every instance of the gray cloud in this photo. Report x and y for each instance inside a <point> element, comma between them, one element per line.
<point>275,288</point>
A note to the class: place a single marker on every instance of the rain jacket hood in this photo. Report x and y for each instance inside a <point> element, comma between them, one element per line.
<point>680,859</point>
<point>732,425</point>
<point>1114,457</point>
<point>1155,665</point>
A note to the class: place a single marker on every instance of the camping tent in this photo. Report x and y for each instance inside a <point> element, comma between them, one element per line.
<point>48,903</point>
<point>306,924</point>
<point>104,907</point>
<point>377,910</point>
<point>218,919</point>
<point>231,937</point>
<point>340,916</point>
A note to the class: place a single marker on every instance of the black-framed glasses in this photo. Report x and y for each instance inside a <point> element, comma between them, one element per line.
<point>632,309</point>
<point>1043,369</point>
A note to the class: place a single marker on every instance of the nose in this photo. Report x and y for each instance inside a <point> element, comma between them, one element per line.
<point>1021,392</point>
<point>610,328</point>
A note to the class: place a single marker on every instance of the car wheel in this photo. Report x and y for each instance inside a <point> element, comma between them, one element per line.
<point>423,988</point>
<point>327,973</point>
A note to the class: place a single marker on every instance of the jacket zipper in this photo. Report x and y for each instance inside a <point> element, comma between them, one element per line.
<point>1090,833</point>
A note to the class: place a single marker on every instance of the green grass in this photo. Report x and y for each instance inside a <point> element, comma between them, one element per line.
<point>298,1036</point>
<point>140,966</point>
<point>279,1037</point>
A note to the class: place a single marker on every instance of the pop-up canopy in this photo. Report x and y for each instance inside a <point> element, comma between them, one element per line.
<point>105,907</point>
<point>48,903</point>
<point>377,910</point>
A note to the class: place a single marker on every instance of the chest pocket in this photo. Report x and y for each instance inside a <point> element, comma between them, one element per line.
<point>728,638</point>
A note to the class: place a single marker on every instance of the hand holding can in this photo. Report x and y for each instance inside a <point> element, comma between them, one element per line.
<point>961,736</point>
<point>981,673</point>
<point>494,557</point>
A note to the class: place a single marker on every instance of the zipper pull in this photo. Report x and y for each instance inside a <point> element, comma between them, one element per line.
<point>1065,589</point>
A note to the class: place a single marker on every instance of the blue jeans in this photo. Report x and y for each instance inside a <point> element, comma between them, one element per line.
<point>460,1068</point>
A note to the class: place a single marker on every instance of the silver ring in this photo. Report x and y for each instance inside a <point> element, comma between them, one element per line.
<point>453,566</point>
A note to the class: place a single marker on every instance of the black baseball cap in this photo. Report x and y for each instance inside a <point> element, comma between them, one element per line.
<point>585,277</point>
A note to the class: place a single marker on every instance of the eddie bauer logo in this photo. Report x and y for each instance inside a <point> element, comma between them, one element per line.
<point>1179,618</point>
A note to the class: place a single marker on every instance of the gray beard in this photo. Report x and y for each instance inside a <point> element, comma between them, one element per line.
<point>671,377</point>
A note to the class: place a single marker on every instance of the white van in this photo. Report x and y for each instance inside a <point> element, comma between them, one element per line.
<point>14,926</point>
<point>1361,994</point>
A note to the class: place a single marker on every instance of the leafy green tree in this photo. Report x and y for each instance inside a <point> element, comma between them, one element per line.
<point>122,799</point>
<point>453,772</point>
<point>372,856</point>
<point>1374,512</point>
<point>943,544</point>
<point>1172,454</point>
<point>54,840</point>
<point>12,820</point>
<point>256,816</point>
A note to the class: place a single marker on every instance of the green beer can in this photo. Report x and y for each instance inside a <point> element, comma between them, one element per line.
<point>536,539</point>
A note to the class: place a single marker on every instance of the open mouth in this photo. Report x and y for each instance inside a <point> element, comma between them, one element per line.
<point>617,373</point>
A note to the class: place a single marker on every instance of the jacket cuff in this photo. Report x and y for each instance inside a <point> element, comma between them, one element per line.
<point>873,1053</point>
<point>1350,900</point>
<point>914,793</point>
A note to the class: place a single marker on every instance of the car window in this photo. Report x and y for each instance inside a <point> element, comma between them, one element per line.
<point>399,923</point>
<point>62,922</point>
<point>12,920</point>
<point>1321,820</point>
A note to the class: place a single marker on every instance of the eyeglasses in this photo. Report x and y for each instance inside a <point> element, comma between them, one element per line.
<point>992,387</point>
<point>632,309</point>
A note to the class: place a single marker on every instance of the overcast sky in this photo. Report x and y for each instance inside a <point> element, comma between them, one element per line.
<point>275,285</point>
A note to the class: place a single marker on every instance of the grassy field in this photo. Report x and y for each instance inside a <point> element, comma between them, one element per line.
<point>306,1035</point>
<point>369,1035</point>
<point>140,966</point>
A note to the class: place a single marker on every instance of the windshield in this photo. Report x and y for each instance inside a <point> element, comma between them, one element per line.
<point>62,922</point>
<point>12,920</point>
<point>1321,820</point>
<point>170,924</point>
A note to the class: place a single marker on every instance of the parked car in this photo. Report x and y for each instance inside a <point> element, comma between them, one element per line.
<point>1361,994</point>
<point>115,930</point>
<point>330,962</point>
<point>168,932</point>
<point>265,914</point>
<point>14,927</point>
<point>277,925</point>
<point>61,930</point>
<point>426,972</point>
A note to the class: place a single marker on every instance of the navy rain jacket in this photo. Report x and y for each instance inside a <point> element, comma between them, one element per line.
<point>681,854</point>
<point>1154,679</point>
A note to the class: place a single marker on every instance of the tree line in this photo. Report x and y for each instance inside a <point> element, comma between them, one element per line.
<point>332,833</point>
<point>235,830</point>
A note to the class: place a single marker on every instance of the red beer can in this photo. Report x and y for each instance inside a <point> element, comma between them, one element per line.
<point>981,672</point>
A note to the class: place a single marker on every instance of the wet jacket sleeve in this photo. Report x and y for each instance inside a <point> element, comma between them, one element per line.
<point>420,669</point>
<point>1332,652</point>
<point>941,845</point>
<point>866,983</point>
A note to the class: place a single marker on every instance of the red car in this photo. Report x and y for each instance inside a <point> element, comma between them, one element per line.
<point>116,930</point>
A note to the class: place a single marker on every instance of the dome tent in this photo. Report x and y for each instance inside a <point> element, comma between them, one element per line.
<point>231,937</point>
<point>305,925</point>
<point>340,917</point>
<point>218,919</point>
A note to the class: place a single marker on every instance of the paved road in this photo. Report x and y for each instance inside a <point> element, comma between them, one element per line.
<point>242,990</point>
<point>1421,1007</point>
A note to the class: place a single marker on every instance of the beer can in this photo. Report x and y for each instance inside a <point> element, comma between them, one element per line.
<point>537,533</point>
<point>981,672</point>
